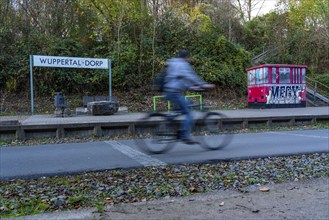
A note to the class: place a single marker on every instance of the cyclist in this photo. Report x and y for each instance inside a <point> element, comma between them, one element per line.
<point>181,77</point>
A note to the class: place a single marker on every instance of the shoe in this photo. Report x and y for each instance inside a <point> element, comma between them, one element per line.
<point>190,141</point>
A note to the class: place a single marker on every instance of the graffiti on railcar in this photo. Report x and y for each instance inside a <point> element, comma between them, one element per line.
<point>285,94</point>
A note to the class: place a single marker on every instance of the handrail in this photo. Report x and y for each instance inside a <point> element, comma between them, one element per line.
<point>318,87</point>
<point>317,90</point>
<point>310,79</point>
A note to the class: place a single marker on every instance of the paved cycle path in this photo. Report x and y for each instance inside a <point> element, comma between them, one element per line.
<point>69,158</point>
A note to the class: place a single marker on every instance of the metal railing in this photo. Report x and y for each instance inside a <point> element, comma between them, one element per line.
<point>317,90</point>
<point>155,98</point>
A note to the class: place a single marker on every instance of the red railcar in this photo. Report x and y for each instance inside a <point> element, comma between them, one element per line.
<point>276,86</point>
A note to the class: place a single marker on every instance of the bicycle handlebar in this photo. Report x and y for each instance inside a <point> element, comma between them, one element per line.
<point>197,89</point>
<point>202,88</point>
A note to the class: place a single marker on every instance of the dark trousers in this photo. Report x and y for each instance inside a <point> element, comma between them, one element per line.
<point>179,100</point>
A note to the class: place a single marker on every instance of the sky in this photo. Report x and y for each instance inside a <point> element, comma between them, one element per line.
<point>268,6</point>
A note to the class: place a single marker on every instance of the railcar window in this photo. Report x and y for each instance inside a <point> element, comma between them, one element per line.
<point>274,75</point>
<point>298,75</point>
<point>266,75</point>
<point>251,77</point>
<point>259,76</point>
<point>303,75</point>
<point>284,75</point>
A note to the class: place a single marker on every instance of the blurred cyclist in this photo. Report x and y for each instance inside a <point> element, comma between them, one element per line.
<point>181,77</point>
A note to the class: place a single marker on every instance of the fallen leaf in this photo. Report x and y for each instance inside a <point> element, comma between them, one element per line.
<point>175,175</point>
<point>135,199</point>
<point>192,189</point>
<point>108,200</point>
<point>264,189</point>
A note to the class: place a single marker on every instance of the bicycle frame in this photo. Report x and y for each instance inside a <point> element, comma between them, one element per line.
<point>165,129</point>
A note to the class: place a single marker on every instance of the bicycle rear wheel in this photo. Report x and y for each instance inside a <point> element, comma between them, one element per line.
<point>214,136</point>
<point>155,134</point>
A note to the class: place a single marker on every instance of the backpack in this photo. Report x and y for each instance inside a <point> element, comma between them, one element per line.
<point>160,80</point>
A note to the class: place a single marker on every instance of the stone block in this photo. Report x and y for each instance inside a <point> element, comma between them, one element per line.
<point>103,107</point>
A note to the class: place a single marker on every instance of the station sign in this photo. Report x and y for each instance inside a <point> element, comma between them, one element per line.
<point>70,62</point>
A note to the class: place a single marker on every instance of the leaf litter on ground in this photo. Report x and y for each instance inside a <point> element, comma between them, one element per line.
<point>96,189</point>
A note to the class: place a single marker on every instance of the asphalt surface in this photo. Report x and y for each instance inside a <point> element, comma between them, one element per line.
<point>70,158</point>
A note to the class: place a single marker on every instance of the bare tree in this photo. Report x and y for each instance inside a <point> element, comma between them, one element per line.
<point>248,7</point>
<point>155,8</point>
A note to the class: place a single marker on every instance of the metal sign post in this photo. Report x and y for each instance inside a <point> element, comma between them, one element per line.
<point>68,62</point>
<point>31,83</point>
<point>110,79</point>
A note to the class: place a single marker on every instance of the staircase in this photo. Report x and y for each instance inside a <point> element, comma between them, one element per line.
<point>316,93</point>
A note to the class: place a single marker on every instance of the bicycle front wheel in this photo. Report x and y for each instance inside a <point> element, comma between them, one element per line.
<point>155,134</point>
<point>214,136</point>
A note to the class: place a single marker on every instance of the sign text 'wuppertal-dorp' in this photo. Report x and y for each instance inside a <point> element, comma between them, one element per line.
<point>69,62</point>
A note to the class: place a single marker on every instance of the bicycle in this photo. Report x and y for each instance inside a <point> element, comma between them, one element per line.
<point>164,130</point>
